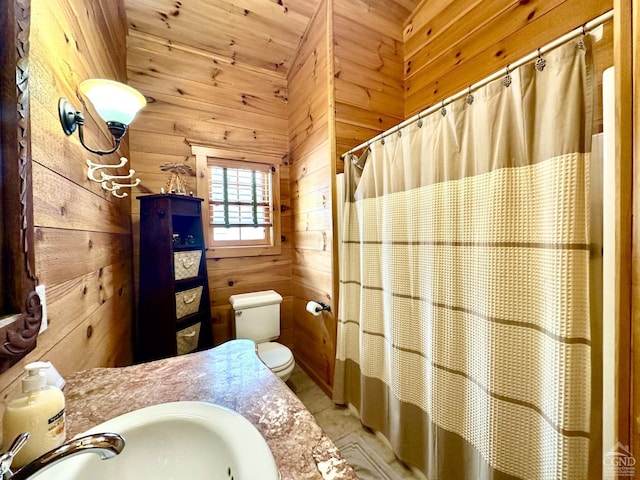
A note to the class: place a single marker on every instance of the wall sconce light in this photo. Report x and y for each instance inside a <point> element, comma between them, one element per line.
<point>115,102</point>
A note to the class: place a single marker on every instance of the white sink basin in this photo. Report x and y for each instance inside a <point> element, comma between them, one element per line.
<point>176,441</point>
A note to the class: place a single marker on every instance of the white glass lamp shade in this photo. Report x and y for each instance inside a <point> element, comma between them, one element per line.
<point>114,101</point>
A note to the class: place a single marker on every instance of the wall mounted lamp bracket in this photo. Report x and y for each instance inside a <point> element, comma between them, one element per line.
<point>117,104</point>
<point>70,119</point>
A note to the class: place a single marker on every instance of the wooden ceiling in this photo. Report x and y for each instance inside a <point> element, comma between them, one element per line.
<point>262,34</point>
<point>216,72</point>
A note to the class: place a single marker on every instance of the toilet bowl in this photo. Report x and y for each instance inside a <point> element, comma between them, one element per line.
<point>257,318</point>
<point>278,358</point>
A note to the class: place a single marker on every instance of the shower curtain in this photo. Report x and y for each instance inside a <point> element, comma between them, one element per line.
<point>464,325</point>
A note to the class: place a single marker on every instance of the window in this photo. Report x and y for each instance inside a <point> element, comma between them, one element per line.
<point>242,213</point>
<point>239,203</point>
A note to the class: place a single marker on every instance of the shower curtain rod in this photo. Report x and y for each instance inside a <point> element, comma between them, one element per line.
<point>583,30</point>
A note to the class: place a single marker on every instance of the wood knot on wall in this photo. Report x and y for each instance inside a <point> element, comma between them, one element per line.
<point>164,18</point>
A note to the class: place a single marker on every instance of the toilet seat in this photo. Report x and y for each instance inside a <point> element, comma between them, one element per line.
<point>276,356</point>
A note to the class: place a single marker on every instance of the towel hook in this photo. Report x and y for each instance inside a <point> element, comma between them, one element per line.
<point>106,178</point>
<point>115,186</point>
<point>96,166</point>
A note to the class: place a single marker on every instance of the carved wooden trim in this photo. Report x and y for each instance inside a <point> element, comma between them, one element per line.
<point>19,337</point>
<point>23,131</point>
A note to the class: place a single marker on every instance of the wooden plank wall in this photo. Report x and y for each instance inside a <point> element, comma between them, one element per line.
<point>200,97</point>
<point>628,54</point>
<point>314,337</point>
<point>82,233</point>
<point>369,78</point>
<point>355,96</point>
<point>451,44</point>
<point>627,231</point>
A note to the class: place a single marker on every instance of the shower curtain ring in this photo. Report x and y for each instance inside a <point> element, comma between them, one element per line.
<point>507,79</point>
<point>443,110</point>
<point>419,120</point>
<point>540,62</point>
<point>581,41</point>
<point>398,131</point>
<point>470,98</point>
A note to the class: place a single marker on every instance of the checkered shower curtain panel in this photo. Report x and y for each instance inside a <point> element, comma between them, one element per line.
<point>464,331</point>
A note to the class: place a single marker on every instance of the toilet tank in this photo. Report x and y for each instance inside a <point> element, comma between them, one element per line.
<point>257,315</point>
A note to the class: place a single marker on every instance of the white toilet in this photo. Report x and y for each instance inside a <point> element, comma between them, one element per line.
<point>257,317</point>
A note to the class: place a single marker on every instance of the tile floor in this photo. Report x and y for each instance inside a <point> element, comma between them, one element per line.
<point>338,421</point>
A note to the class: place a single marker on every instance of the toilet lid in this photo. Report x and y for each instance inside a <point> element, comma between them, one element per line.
<point>274,355</point>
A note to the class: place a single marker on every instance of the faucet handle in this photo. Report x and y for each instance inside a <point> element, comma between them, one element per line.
<point>7,457</point>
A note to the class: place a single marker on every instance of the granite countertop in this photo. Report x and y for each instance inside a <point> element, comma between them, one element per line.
<point>230,375</point>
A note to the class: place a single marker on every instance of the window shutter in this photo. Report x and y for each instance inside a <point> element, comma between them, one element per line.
<point>240,197</point>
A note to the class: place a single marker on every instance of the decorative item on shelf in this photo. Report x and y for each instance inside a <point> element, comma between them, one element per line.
<point>115,102</point>
<point>109,182</point>
<point>176,183</point>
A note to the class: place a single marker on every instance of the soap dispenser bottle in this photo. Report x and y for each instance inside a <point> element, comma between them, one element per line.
<point>39,411</point>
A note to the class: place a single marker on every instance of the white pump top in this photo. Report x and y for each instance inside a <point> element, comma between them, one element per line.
<point>35,379</point>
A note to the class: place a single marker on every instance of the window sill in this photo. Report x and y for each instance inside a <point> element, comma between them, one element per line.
<point>252,251</point>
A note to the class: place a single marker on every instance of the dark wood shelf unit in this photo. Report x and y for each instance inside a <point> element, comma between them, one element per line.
<point>170,225</point>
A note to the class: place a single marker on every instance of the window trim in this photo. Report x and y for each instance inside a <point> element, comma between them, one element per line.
<point>263,169</point>
<point>203,155</point>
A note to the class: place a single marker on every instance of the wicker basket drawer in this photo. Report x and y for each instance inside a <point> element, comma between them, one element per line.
<point>188,301</point>
<point>186,264</point>
<point>187,339</point>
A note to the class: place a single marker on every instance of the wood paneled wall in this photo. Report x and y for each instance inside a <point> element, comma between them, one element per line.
<point>344,87</point>
<point>199,97</point>
<point>314,337</point>
<point>369,77</point>
<point>450,44</point>
<point>627,227</point>
<point>82,233</point>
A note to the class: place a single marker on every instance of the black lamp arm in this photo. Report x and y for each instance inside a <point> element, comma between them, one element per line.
<point>70,119</point>
<point>97,152</point>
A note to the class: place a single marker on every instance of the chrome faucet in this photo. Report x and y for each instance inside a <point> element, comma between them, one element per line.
<point>106,445</point>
